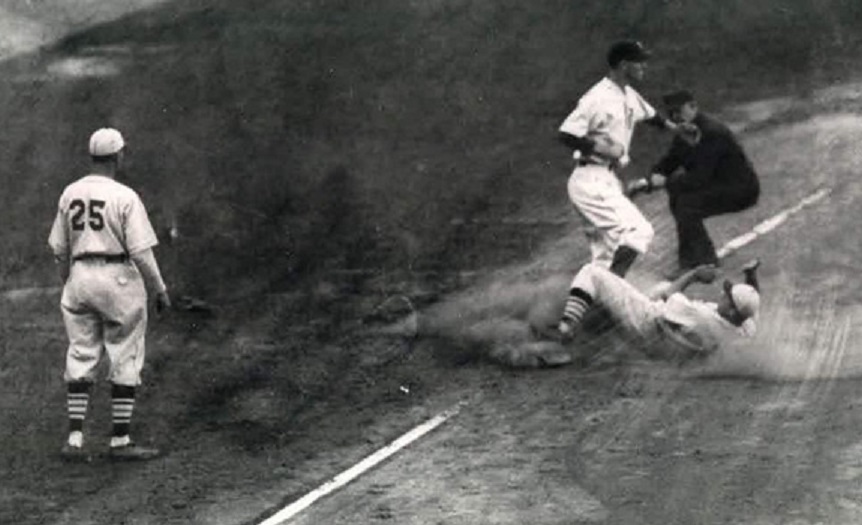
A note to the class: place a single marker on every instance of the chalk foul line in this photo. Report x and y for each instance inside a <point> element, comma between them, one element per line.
<point>771,223</point>
<point>371,461</point>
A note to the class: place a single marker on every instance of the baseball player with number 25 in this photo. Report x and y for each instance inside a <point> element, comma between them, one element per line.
<point>102,241</point>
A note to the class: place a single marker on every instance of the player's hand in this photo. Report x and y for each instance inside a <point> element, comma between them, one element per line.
<point>637,186</point>
<point>163,302</point>
<point>607,148</point>
<point>706,273</point>
<point>657,180</point>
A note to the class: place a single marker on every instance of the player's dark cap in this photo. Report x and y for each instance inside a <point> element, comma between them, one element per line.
<point>676,99</point>
<point>628,50</point>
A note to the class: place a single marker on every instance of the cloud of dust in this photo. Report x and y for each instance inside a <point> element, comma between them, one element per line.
<point>797,340</point>
<point>499,313</point>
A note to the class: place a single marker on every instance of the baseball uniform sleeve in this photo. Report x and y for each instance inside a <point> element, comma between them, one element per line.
<point>58,239</point>
<point>139,232</point>
<point>146,262</point>
<point>586,119</point>
<point>642,109</point>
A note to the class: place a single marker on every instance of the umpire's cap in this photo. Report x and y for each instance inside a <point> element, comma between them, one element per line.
<point>106,142</point>
<point>676,99</point>
<point>628,50</point>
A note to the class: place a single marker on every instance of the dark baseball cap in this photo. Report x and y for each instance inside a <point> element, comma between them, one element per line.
<point>675,99</point>
<point>628,50</point>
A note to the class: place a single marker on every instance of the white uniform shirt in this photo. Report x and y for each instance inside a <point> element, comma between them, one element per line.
<point>608,110</point>
<point>98,215</point>
<point>698,325</point>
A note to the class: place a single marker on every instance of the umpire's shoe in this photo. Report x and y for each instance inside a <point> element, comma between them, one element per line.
<point>133,452</point>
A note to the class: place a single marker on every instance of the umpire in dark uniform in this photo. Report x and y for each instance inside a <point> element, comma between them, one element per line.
<point>706,173</point>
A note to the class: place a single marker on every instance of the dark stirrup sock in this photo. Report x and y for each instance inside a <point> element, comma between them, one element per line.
<point>122,406</point>
<point>624,257</point>
<point>577,305</point>
<point>77,399</point>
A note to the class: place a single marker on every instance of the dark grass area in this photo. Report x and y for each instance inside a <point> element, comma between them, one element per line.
<point>290,139</point>
<point>320,158</point>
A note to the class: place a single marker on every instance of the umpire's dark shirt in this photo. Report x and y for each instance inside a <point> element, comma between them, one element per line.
<point>717,161</point>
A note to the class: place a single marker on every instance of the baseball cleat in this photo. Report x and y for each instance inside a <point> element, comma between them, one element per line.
<point>133,452</point>
<point>554,359</point>
<point>566,329</point>
<point>74,454</point>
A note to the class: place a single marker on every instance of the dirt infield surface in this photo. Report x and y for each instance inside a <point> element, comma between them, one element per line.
<point>350,209</point>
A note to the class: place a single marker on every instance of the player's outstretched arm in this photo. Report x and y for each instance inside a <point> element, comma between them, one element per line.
<point>702,274</point>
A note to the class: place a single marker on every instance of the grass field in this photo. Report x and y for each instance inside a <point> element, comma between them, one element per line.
<point>320,158</point>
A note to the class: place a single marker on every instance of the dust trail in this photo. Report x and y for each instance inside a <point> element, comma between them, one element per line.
<point>500,312</point>
<point>798,342</point>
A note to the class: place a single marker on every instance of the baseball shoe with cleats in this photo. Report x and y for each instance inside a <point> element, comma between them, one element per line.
<point>133,452</point>
<point>75,454</point>
<point>553,358</point>
<point>566,328</point>
<point>546,333</point>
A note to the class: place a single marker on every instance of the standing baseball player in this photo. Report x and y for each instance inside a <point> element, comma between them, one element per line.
<point>102,242</point>
<point>599,131</point>
<point>666,318</point>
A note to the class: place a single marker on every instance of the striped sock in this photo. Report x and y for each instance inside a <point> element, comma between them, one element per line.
<point>122,406</point>
<point>77,399</point>
<point>577,305</point>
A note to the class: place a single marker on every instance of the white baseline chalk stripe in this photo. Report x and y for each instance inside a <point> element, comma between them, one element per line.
<point>771,223</point>
<point>360,468</point>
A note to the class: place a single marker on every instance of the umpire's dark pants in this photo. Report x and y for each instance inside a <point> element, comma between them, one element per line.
<point>689,209</point>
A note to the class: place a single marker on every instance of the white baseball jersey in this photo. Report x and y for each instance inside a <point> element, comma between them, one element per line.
<point>98,215</point>
<point>609,110</point>
<point>104,304</point>
<point>698,323</point>
<point>695,325</point>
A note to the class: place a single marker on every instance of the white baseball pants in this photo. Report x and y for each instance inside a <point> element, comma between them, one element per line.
<point>598,195</point>
<point>104,309</point>
<point>631,307</point>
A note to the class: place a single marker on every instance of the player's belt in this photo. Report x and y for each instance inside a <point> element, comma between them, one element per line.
<point>591,162</point>
<point>110,258</point>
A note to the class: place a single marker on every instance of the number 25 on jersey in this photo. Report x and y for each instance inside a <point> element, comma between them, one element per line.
<point>87,213</point>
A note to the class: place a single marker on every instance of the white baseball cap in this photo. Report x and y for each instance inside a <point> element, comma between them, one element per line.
<point>105,142</point>
<point>746,299</point>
